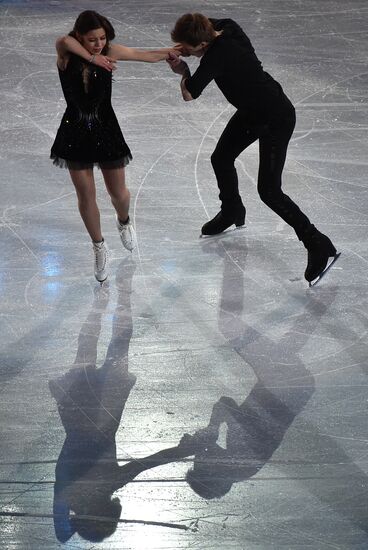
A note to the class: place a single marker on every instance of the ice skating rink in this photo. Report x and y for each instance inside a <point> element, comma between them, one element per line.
<point>220,338</point>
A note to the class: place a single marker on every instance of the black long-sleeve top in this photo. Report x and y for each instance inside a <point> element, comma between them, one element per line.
<point>231,61</point>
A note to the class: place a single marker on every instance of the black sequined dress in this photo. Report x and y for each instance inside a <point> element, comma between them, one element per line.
<point>89,132</point>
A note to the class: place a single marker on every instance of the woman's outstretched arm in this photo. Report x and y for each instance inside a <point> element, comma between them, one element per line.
<point>65,45</point>
<point>124,53</point>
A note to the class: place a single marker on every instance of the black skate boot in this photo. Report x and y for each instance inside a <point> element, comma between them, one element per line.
<point>321,255</point>
<point>222,221</point>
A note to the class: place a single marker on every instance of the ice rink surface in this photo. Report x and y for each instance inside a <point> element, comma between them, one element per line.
<point>217,338</point>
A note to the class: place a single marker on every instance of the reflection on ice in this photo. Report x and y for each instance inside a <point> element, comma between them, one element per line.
<point>246,383</point>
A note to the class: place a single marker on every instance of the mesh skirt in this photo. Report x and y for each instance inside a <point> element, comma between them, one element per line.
<point>85,165</point>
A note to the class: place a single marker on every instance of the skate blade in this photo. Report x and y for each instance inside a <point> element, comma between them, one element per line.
<point>329,265</point>
<point>227,231</point>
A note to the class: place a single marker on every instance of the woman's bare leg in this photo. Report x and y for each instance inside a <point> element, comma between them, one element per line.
<point>119,193</point>
<point>84,184</point>
<point>120,198</point>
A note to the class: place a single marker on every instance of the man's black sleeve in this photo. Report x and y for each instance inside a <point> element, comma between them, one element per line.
<point>209,68</point>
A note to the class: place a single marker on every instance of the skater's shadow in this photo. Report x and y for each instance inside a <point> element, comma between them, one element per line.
<point>256,427</point>
<point>90,402</point>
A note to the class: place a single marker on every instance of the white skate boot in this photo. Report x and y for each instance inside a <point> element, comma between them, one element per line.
<point>101,261</point>
<point>127,234</point>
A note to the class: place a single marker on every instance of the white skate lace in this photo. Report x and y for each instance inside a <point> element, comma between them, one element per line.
<point>100,256</point>
<point>126,232</point>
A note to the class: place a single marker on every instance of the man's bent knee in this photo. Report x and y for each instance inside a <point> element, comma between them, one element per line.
<point>221,161</point>
<point>270,196</point>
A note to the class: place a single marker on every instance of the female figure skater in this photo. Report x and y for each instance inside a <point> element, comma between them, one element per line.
<point>89,133</point>
<point>263,112</point>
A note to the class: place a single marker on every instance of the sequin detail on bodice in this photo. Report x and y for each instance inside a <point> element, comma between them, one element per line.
<point>89,131</point>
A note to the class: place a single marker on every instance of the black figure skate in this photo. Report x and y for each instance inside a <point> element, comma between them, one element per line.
<point>321,256</point>
<point>222,221</point>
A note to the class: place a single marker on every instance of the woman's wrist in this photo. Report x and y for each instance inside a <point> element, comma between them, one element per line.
<point>92,58</point>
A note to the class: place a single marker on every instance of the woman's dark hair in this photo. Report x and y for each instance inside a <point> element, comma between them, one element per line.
<point>193,28</point>
<point>90,20</point>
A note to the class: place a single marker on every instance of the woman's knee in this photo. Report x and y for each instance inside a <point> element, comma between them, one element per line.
<point>86,198</point>
<point>114,181</point>
<point>118,194</point>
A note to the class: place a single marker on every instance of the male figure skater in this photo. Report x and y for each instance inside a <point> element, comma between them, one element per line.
<point>264,112</point>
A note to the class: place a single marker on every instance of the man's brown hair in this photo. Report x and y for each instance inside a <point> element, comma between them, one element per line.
<point>193,28</point>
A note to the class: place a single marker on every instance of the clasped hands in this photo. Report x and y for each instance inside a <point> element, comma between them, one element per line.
<point>177,65</point>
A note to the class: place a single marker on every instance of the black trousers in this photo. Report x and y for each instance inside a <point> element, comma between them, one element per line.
<point>273,142</point>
